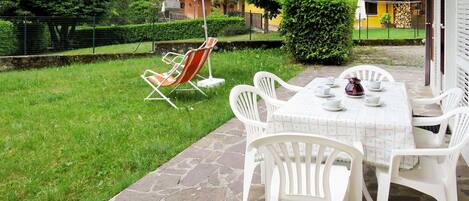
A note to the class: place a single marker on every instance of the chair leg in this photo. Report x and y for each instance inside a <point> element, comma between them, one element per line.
<point>451,189</point>
<point>249,167</point>
<point>366,193</point>
<point>149,95</point>
<point>155,89</point>
<point>384,184</point>
<point>166,98</point>
<point>268,172</point>
<point>197,88</point>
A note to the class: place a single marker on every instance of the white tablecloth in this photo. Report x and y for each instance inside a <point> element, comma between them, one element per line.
<point>380,129</point>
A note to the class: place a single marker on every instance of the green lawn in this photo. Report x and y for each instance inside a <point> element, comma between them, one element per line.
<point>393,34</point>
<point>83,132</point>
<point>146,46</point>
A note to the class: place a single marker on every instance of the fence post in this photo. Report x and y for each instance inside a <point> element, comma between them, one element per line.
<point>387,13</point>
<point>367,26</point>
<point>418,25</point>
<point>359,26</point>
<point>153,34</point>
<point>250,24</point>
<point>25,36</point>
<point>94,34</point>
<point>266,22</point>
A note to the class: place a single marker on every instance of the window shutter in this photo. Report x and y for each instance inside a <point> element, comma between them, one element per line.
<point>462,63</point>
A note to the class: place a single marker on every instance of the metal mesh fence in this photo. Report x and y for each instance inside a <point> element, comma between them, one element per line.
<point>94,35</point>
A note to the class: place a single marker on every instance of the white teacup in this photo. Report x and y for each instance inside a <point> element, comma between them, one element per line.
<point>330,80</point>
<point>324,90</point>
<point>372,99</point>
<point>333,103</point>
<point>375,84</point>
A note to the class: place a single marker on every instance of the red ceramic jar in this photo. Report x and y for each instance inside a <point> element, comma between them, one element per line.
<point>354,88</point>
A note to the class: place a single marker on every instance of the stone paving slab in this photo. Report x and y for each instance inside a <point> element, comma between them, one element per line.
<point>212,168</point>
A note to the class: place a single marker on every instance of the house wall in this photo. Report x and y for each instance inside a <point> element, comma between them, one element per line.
<point>251,7</point>
<point>172,4</point>
<point>373,20</point>
<point>196,5</point>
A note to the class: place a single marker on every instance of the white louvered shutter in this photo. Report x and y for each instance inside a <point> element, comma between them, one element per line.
<point>462,63</point>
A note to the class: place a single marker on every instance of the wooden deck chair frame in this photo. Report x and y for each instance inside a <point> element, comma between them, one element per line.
<point>184,72</point>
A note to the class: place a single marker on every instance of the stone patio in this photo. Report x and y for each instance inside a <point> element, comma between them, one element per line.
<point>212,168</point>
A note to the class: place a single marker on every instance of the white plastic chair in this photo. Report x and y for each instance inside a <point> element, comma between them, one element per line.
<point>448,101</point>
<point>304,167</point>
<point>265,82</point>
<point>367,73</point>
<point>244,104</point>
<point>435,174</point>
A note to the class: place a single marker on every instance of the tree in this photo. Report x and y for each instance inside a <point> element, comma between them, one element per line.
<point>60,28</point>
<point>6,6</point>
<point>271,9</point>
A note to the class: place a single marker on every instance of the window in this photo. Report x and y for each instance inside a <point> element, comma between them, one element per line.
<point>371,8</point>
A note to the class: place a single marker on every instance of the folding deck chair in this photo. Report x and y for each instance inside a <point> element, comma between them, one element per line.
<point>181,73</point>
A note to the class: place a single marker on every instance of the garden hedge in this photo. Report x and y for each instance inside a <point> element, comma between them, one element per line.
<point>37,38</point>
<point>182,29</point>
<point>8,41</point>
<point>319,31</point>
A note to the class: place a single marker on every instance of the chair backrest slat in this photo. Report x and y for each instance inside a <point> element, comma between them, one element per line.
<point>368,73</point>
<point>244,104</point>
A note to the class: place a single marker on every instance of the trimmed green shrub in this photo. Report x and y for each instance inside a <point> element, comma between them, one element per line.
<point>182,29</point>
<point>37,38</point>
<point>233,31</point>
<point>8,41</point>
<point>318,31</point>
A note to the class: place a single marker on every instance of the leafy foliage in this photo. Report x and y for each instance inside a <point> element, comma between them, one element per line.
<point>140,10</point>
<point>385,19</point>
<point>59,29</point>
<point>271,7</point>
<point>182,29</point>
<point>318,31</point>
<point>233,30</point>
<point>8,41</point>
<point>37,37</point>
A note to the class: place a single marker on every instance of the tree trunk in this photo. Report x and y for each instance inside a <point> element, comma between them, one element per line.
<point>60,34</point>
<point>266,22</point>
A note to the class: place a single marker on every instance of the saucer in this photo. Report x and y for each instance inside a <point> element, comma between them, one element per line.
<point>333,109</point>
<point>324,95</point>
<point>356,96</point>
<point>375,90</point>
<point>380,103</point>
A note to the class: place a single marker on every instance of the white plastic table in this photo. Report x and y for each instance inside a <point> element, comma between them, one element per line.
<point>380,129</point>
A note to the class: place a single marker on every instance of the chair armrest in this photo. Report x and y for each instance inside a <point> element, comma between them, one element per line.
<point>427,101</point>
<point>289,86</point>
<point>149,72</point>
<point>274,102</point>
<point>171,57</point>
<point>358,145</point>
<point>422,152</point>
<point>427,121</point>
<point>254,123</point>
<point>292,87</point>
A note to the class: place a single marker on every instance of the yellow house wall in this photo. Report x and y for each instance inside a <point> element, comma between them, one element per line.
<point>373,20</point>
<point>250,7</point>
